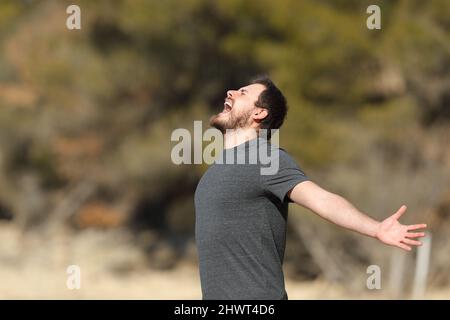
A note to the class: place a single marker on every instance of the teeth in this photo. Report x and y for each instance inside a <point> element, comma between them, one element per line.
<point>227,106</point>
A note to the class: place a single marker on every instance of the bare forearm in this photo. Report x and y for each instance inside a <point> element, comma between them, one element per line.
<point>341,212</point>
<point>338,210</point>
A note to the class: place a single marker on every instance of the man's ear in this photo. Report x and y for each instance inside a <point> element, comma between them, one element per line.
<point>260,114</point>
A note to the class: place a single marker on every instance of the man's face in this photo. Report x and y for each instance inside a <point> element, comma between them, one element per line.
<point>239,108</point>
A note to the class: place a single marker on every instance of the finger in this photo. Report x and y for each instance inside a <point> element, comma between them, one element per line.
<point>415,234</point>
<point>412,242</point>
<point>400,212</point>
<point>416,226</point>
<point>404,247</point>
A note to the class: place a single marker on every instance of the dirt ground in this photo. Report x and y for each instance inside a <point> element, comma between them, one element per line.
<point>34,267</point>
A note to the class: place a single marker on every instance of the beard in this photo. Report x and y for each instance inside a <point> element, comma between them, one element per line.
<point>229,120</point>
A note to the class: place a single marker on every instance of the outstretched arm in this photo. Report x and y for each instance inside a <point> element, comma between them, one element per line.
<point>338,210</point>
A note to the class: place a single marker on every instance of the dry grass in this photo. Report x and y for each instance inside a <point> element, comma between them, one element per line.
<point>34,267</point>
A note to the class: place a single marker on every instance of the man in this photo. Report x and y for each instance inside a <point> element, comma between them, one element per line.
<point>241,214</point>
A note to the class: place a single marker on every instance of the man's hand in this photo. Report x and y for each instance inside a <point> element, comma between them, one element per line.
<point>393,233</point>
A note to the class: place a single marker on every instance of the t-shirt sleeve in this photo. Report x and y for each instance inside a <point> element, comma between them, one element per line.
<point>287,177</point>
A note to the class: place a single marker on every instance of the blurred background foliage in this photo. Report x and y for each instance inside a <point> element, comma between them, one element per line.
<point>86,116</point>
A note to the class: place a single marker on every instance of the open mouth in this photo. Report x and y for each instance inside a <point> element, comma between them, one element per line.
<point>227,107</point>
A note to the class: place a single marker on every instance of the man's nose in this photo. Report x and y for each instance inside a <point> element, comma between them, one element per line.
<point>230,93</point>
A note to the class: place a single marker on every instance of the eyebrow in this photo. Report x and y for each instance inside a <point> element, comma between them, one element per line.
<point>243,90</point>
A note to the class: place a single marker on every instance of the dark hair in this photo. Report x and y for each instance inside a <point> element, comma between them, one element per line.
<point>274,101</point>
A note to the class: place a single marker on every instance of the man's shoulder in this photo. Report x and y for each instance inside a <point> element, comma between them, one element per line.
<point>278,150</point>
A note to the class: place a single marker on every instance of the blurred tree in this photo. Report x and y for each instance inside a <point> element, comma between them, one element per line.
<point>97,106</point>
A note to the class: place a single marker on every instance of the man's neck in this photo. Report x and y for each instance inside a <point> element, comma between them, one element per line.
<point>236,137</point>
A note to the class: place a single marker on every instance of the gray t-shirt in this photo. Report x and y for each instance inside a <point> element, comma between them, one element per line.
<point>241,218</point>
